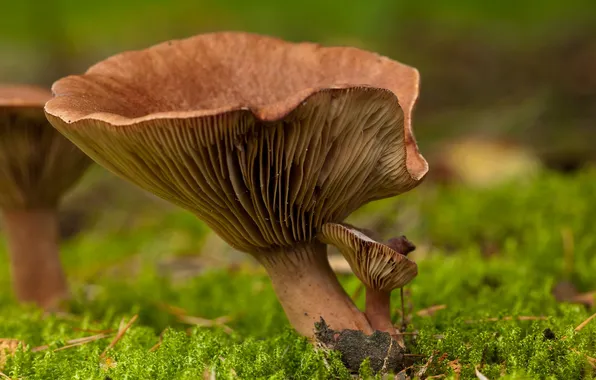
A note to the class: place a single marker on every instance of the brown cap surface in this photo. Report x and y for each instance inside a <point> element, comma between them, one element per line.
<point>377,265</point>
<point>263,139</point>
<point>37,164</point>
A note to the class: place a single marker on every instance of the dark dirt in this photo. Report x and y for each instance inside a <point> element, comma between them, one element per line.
<point>355,346</point>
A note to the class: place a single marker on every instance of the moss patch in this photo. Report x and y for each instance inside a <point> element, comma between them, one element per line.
<point>491,257</point>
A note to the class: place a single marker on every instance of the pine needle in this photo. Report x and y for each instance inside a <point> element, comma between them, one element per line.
<point>203,322</point>
<point>584,323</point>
<point>82,341</point>
<point>479,375</point>
<point>120,334</point>
<point>430,311</point>
<point>73,342</point>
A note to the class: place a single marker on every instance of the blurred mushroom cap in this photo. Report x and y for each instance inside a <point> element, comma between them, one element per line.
<point>37,163</point>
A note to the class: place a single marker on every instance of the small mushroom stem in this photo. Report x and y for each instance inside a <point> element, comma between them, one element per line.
<point>378,312</point>
<point>37,275</point>
<point>308,290</point>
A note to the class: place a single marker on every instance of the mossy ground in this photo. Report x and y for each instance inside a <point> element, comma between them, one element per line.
<point>489,256</point>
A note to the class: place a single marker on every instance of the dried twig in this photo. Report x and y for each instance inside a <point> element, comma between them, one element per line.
<point>4,376</point>
<point>156,345</point>
<point>430,311</point>
<point>404,324</point>
<point>479,375</point>
<point>183,317</point>
<point>73,342</point>
<point>121,332</point>
<point>403,372</point>
<point>203,322</point>
<point>82,341</point>
<point>424,368</point>
<point>584,323</point>
<point>386,360</point>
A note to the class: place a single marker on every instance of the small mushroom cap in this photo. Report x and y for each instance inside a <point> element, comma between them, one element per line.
<point>377,265</point>
<point>263,139</point>
<point>37,163</point>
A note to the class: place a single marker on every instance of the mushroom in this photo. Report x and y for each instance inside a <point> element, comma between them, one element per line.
<point>381,268</point>
<point>37,166</point>
<point>262,139</point>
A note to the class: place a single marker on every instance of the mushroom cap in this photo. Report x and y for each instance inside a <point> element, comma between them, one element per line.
<point>37,163</point>
<point>377,265</point>
<point>262,139</point>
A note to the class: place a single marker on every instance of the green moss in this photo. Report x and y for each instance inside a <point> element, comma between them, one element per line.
<point>524,224</point>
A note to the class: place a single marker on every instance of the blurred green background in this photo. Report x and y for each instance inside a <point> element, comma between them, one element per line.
<point>508,89</point>
<point>519,72</point>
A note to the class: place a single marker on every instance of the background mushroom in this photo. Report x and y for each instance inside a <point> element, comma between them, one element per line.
<point>262,139</point>
<point>37,166</point>
<point>382,268</point>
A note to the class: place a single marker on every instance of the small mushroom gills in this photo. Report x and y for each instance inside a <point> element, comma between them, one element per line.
<point>37,166</point>
<point>264,140</point>
<point>382,268</point>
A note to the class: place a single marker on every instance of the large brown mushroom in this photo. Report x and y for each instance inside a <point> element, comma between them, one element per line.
<point>37,166</point>
<point>264,140</point>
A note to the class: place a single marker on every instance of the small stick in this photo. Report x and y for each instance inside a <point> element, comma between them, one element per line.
<point>73,342</point>
<point>479,374</point>
<point>83,341</point>
<point>155,346</point>
<point>404,325</point>
<point>119,336</point>
<point>203,322</point>
<point>584,323</point>
<point>429,311</point>
<point>4,376</point>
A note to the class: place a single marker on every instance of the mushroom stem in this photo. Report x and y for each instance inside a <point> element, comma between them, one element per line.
<point>32,237</point>
<point>308,290</point>
<point>378,312</point>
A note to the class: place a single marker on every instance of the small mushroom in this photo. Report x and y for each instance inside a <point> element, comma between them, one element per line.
<point>262,139</point>
<point>381,268</point>
<point>37,166</point>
